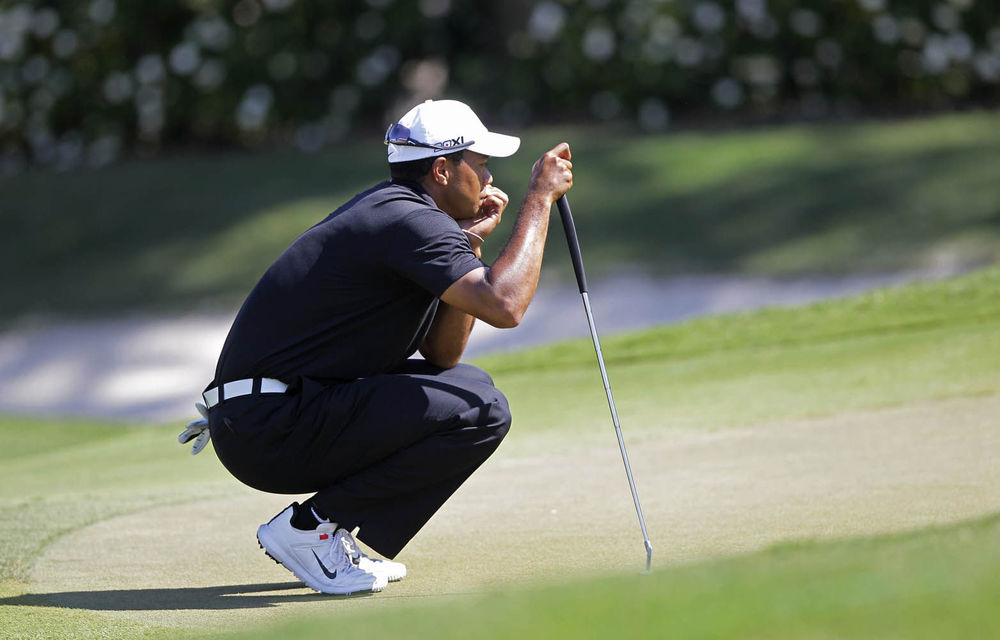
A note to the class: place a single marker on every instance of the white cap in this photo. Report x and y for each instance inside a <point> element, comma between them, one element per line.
<point>440,127</point>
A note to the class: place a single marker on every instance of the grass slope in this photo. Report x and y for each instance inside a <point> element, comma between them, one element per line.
<point>932,340</point>
<point>892,346</point>
<point>46,435</point>
<point>183,231</point>
<point>81,473</point>
<point>941,583</point>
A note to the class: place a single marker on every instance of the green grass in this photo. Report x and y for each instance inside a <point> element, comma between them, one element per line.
<point>896,346</point>
<point>73,474</point>
<point>186,231</point>
<point>46,435</point>
<point>888,347</point>
<point>940,583</point>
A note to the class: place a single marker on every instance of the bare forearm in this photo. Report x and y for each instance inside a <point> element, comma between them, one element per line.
<point>447,337</point>
<point>500,295</point>
<point>514,275</point>
<point>513,279</point>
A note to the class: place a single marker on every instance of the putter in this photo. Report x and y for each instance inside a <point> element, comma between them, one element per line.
<point>581,279</point>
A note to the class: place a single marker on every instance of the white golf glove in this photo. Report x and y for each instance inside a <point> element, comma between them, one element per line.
<point>197,430</point>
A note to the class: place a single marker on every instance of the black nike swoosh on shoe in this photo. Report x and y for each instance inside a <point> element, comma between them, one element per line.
<point>332,576</point>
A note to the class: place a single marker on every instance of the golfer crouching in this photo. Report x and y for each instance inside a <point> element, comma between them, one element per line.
<point>315,389</point>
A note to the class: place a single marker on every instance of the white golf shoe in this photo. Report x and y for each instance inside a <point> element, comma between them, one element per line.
<point>322,558</point>
<point>391,571</point>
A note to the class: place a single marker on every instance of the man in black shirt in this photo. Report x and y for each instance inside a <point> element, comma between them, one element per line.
<point>315,389</point>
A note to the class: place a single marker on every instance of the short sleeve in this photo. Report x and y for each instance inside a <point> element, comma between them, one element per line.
<point>429,248</point>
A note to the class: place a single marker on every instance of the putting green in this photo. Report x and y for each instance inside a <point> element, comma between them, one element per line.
<point>536,516</point>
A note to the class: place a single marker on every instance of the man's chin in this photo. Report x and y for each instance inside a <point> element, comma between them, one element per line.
<point>463,214</point>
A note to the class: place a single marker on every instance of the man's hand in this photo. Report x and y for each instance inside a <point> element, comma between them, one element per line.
<point>492,202</point>
<point>552,175</point>
<point>500,294</point>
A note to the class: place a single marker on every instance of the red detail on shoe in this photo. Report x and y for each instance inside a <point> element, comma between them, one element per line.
<point>324,536</point>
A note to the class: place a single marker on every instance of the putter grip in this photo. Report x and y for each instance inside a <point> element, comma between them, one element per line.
<point>574,244</point>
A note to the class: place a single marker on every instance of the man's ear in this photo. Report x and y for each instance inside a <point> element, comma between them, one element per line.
<point>440,172</point>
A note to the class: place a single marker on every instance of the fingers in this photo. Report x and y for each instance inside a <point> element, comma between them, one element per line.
<point>559,156</point>
<point>562,150</point>
<point>492,202</point>
<point>553,173</point>
<point>490,192</point>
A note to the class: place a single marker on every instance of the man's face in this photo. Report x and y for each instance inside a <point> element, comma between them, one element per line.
<point>468,177</point>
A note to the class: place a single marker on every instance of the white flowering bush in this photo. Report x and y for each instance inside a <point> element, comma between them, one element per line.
<point>83,81</point>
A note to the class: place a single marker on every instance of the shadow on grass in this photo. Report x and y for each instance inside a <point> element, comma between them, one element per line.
<point>174,232</point>
<point>239,596</point>
<point>852,211</point>
<point>70,236</point>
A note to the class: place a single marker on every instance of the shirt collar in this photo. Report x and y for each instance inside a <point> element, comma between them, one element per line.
<point>414,186</point>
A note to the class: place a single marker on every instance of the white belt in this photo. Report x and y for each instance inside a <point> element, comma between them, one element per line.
<point>239,388</point>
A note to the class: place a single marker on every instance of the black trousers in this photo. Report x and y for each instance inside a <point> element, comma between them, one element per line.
<point>381,453</point>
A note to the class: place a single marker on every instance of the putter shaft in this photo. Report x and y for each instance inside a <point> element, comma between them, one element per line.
<point>581,279</point>
<point>618,428</point>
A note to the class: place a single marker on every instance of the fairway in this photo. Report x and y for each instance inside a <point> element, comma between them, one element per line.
<point>863,417</point>
<point>537,519</point>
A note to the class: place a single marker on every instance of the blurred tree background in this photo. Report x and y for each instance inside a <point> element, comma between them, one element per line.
<point>82,83</point>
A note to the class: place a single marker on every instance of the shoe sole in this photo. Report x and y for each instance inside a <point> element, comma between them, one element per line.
<point>297,570</point>
<point>394,577</point>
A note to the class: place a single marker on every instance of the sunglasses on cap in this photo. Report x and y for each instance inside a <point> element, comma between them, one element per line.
<point>399,134</point>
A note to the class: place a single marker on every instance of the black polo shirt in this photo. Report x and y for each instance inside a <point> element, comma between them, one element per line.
<point>354,295</point>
